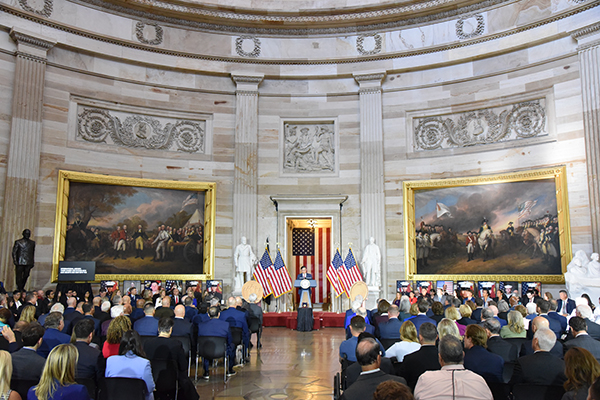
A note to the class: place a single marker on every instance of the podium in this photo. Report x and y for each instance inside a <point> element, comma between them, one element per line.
<point>305,314</point>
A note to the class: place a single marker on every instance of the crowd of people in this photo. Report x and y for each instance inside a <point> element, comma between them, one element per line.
<point>67,346</point>
<point>445,346</point>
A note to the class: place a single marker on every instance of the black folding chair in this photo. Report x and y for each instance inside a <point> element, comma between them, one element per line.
<point>499,390</point>
<point>387,343</point>
<point>124,389</point>
<point>212,348</point>
<point>165,374</point>
<point>254,326</point>
<point>187,349</point>
<point>22,386</point>
<point>526,391</point>
<point>90,385</point>
<point>518,343</point>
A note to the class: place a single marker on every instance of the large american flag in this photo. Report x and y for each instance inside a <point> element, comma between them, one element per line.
<point>332,273</point>
<point>349,273</point>
<point>280,279</point>
<point>261,272</point>
<point>314,251</point>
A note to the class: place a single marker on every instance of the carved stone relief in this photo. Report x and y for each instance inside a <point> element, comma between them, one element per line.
<point>309,147</point>
<point>239,46</point>
<point>45,11</point>
<point>98,125</point>
<point>470,26</point>
<point>479,127</point>
<point>141,34</point>
<point>360,41</point>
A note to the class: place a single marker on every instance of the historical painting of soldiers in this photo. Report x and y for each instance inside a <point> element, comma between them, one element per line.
<point>506,227</point>
<point>136,231</point>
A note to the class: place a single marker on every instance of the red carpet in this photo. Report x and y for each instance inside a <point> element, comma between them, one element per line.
<point>289,319</point>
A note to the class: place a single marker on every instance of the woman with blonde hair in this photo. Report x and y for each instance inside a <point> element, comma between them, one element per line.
<point>5,374</point>
<point>465,313</point>
<point>515,327</point>
<point>409,344</point>
<point>27,313</point>
<point>581,369</point>
<point>453,314</point>
<point>115,331</point>
<point>58,377</point>
<point>448,327</point>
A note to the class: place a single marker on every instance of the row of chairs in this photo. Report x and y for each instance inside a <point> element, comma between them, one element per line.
<point>109,388</point>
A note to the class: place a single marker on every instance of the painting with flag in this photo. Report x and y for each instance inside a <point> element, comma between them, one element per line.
<point>261,272</point>
<point>349,272</point>
<point>279,277</point>
<point>333,273</point>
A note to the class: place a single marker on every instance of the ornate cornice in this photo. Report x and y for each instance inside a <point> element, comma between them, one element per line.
<point>247,78</point>
<point>587,31</point>
<point>24,38</point>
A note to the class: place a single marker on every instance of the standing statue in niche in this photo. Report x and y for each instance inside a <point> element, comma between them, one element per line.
<point>371,263</point>
<point>23,254</point>
<point>244,259</point>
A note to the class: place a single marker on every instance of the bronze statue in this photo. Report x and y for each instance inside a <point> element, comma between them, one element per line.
<point>23,252</point>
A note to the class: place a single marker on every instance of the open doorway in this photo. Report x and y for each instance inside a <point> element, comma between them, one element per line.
<point>309,243</point>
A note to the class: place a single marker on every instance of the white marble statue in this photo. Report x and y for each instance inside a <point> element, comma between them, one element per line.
<point>371,263</point>
<point>577,278</point>
<point>244,259</point>
<point>593,266</point>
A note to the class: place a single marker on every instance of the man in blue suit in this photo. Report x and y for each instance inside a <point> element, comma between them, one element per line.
<point>391,328</point>
<point>417,320</point>
<point>147,325</point>
<point>304,294</point>
<point>554,315</point>
<point>543,306</point>
<point>565,305</point>
<point>53,336</point>
<point>218,328</point>
<point>239,317</point>
<point>190,310</point>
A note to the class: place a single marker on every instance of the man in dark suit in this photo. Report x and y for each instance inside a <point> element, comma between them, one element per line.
<point>218,328</point>
<point>148,325</point>
<point>496,344</point>
<point>88,313</point>
<point>593,329</point>
<point>165,348</point>
<point>368,355</point>
<point>239,317</point>
<point>536,324</point>
<point>71,304</point>
<point>423,306</point>
<point>190,310</point>
<point>424,359</point>
<point>304,294</point>
<point>565,305</point>
<point>138,311</point>
<point>74,317</point>
<point>91,363</point>
<point>554,315</point>
<point>53,336</point>
<point>541,367</point>
<point>184,328</point>
<point>27,364</point>
<point>581,338</point>
<point>476,314</point>
<point>165,310</point>
<point>543,306</point>
<point>391,328</point>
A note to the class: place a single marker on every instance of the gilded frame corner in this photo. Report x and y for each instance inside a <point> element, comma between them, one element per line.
<point>558,174</point>
<point>65,178</point>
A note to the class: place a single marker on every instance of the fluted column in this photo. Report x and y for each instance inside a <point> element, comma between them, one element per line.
<point>588,40</point>
<point>23,164</point>
<point>372,198</point>
<point>245,185</point>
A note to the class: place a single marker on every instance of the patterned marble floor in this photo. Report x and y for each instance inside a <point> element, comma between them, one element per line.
<point>290,366</point>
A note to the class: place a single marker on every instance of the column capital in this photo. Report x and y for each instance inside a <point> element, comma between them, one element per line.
<point>369,81</point>
<point>31,44</point>
<point>588,36</point>
<point>247,83</point>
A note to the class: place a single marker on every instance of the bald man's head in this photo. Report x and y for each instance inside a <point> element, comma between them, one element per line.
<point>231,302</point>
<point>166,301</point>
<point>180,311</point>
<point>540,323</point>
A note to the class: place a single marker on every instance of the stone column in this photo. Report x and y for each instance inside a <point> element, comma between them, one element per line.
<point>23,164</point>
<point>245,184</point>
<point>372,197</point>
<point>588,40</point>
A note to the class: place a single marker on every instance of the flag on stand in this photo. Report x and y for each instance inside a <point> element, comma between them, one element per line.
<point>312,248</point>
<point>261,272</point>
<point>349,273</point>
<point>332,273</point>
<point>280,279</point>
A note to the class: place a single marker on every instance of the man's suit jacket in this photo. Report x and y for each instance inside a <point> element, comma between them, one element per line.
<point>97,327</point>
<point>476,314</point>
<point>420,319</point>
<point>182,327</point>
<point>557,350</point>
<point>562,320</point>
<point>390,329</point>
<point>365,385</point>
<point>190,313</point>
<point>487,364</point>
<point>554,325</point>
<point>162,312</point>
<point>161,348</point>
<point>593,329</point>
<point>415,364</point>
<point>570,305</point>
<point>137,314</point>
<point>216,327</point>
<point>27,364</point>
<point>541,368</point>
<point>91,363</point>
<point>147,326</point>
<point>504,349</point>
<point>585,342</point>
<point>52,338</point>
<point>240,321</point>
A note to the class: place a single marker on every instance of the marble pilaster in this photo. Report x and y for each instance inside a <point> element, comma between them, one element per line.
<point>245,185</point>
<point>372,197</point>
<point>588,40</point>
<point>23,164</point>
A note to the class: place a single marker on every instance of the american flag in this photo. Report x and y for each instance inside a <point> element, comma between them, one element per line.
<point>525,208</point>
<point>280,279</point>
<point>501,287</point>
<point>261,272</point>
<point>349,273</point>
<point>332,273</point>
<point>315,247</point>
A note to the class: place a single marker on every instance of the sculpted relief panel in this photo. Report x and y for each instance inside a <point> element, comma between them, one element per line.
<point>309,148</point>
<point>513,122</point>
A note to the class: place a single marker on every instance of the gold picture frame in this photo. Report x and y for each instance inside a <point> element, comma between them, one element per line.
<point>536,201</point>
<point>200,252</point>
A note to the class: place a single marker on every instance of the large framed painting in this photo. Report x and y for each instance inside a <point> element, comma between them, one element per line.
<point>508,227</point>
<point>135,229</point>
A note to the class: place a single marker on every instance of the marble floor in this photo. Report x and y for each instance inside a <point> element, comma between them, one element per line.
<point>290,365</point>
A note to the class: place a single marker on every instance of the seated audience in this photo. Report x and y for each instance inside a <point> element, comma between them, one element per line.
<point>409,343</point>
<point>503,309</point>
<point>27,313</point>
<point>537,324</point>
<point>131,362</point>
<point>424,359</point>
<point>448,327</point>
<point>581,369</point>
<point>515,327</point>
<point>218,328</point>
<point>477,359</point>
<point>116,329</point>
<point>27,363</point>
<point>446,383</point>
<point>6,371</point>
<point>437,309</point>
<point>164,310</point>
<point>348,347</point>
<point>147,325</point>
<point>585,312</point>
<point>496,344</point>
<point>53,336</point>
<point>465,313</point>
<point>543,307</point>
<point>58,378</point>
<point>421,317</point>
<point>391,328</point>
<point>553,314</point>
<point>453,314</point>
<point>404,308</point>
<point>90,364</point>
<point>239,317</point>
<point>581,338</point>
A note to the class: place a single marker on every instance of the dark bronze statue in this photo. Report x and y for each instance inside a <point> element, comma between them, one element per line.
<point>23,253</point>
